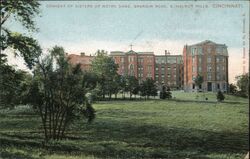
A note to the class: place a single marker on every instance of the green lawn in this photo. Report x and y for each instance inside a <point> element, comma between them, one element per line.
<point>176,129</point>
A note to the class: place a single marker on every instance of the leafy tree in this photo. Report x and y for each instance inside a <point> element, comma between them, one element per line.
<point>148,88</point>
<point>243,84</point>
<point>220,96</point>
<point>168,93</point>
<point>198,80</point>
<point>122,85</point>
<point>11,83</point>
<point>132,85</point>
<point>117,85</point>
<point>232,89</point>
<point>22,11</point>
<point>57,92</point>
<point>163,93</point>
<point>106,69</point>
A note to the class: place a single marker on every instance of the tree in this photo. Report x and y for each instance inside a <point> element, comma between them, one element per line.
<point>12,82</point>
<point>243,84</point>
<point>57,92</point>
<point>132,85</point>
<point>22,11</point>
<point>163,93</point>
<point>122,85</point>
<point>232,89</point>
<point>220,96</point>
<point>168,93</point>
<point>117,85</point>
<point>198,80</point>
<point>106,69</point>
<point>148,88</point>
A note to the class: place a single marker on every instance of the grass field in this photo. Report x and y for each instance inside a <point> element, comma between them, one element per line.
<point>176,129</point>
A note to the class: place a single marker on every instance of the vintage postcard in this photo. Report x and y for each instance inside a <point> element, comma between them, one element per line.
<point>124,79</point>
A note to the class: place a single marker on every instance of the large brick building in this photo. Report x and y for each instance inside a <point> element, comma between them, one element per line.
<point>169,70</point>
<point>208,59</point>
<point>138,64</point>
<point>82,59</point>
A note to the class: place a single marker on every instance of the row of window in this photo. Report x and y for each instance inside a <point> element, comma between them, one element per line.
<point>163,76</point>
<point>169,83</point>
<point>218,77</point>
<point>209,59</point>
<point>209,68</point>
<point>199,50</point>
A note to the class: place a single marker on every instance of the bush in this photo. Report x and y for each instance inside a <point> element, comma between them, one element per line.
<point>220,96</point>
<point>163,93</point>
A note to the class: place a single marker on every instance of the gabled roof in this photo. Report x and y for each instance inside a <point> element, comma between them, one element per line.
<point>131,52</point>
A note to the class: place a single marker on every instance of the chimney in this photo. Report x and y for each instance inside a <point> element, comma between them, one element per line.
<point>82,53</point>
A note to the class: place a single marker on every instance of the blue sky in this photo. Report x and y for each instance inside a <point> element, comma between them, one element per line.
<point>149,29</point>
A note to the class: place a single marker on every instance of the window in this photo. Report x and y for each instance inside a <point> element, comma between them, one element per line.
<point>218,68</point>
<point>223,68</point>
<point>209,59</point>
<point>193,59</point>
<point>169,75</point>
<point>209,76</point>
<point>209,50</point>
<point>193,51</point>
<point>218,77</point>
<point>131,69</point>
<point>149,68</point>
<point>219,50</point>
<point>200,59</point>
<point>122,59</point>
<point>209,68</point>
<point>193,69</point>
<point>222,59</point>
<point>169,68</point>
<point>200,68</point>
<point>141,60</point>
<point>199,50</point>
<point>156,68</point>
<point>223,77</point>
<point>217,59</point>
<point>149,59</point>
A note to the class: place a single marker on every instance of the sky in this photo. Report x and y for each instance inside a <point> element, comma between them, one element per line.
<point>86,26</point>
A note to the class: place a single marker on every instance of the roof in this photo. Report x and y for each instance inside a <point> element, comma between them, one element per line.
<point>207,42</point>
<point>148,53</point>
<point>117,53</point>
<point>131,52</point>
